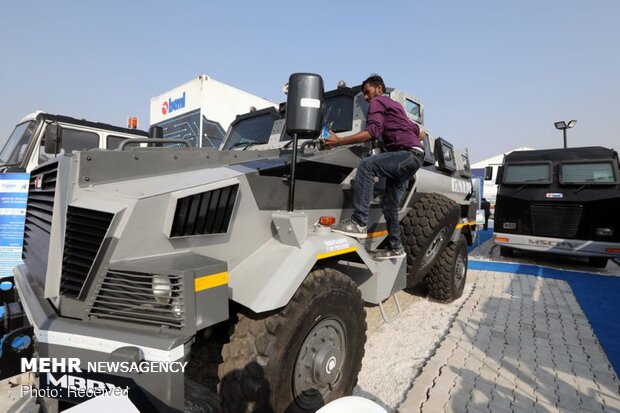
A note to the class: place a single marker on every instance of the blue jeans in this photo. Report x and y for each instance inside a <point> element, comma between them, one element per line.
<point>397,167</point>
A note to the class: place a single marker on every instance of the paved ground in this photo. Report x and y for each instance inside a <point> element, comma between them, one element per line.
<point>519,344</point>
<point>395,352</point>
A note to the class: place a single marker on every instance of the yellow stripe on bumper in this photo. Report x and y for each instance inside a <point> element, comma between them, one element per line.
<point>334,253</point>
<point>376,234</point>
<point>466,223</point>
<point>210,281</point>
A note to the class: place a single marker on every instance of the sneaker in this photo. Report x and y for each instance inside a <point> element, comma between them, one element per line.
<point>389,253</point>
<point>350,228</point>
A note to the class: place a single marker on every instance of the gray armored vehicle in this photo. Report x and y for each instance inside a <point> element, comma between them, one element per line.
<point>225,259</point>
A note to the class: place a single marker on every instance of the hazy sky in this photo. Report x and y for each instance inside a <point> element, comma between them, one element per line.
<point>493,75</point>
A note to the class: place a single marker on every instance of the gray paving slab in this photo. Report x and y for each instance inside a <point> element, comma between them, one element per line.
<point>520,343</point>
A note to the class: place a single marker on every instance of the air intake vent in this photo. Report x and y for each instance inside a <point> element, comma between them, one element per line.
<point>38,226</point>
<point>128,296</point>
<point>83,238</point>
<point>556,220</point>
<point>204,213</point>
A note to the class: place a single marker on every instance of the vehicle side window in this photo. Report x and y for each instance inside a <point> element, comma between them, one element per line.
<point>76,140</point>
<point>412,108</point>
<point>212,133</point>
<point>113,142</point>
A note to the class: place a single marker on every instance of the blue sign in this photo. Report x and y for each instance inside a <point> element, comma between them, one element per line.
<point>13,201</point>
<point>479,173</point>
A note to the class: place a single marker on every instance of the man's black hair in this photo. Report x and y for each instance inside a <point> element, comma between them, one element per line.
<point>375,80</point>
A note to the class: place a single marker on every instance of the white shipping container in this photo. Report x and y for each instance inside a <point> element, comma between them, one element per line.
<point>202,107</point>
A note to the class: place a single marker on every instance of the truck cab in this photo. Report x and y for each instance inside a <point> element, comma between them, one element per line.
<point>560,201</point>
<point>24,149</point>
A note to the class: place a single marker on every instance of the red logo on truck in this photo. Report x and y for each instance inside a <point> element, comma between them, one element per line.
<point>171,105</point>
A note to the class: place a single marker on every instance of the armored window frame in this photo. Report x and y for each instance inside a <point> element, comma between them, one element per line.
<point>418,113</point>
<point>528,163</point>
<point>441,147</point>
<point>230,140</point>
<point>614,170</point>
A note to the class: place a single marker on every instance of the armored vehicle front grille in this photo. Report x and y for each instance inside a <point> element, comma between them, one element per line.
<point>84,235</point>
<point>556,220</point>
<point>205,213</point>
<point>39,210</point>
<point>128,296</point>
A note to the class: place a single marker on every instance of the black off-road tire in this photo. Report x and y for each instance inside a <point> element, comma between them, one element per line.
<point>199,399</point>
<point>266,353</point>
<point>506,252</point>
<point>206,356</point>
<point>431,217</point>
<point>598,262</point>
<point>446,280</point>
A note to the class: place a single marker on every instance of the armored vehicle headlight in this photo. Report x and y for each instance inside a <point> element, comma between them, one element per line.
<point>162,288</point>
<point>604,232</point>
<point>177,308</point>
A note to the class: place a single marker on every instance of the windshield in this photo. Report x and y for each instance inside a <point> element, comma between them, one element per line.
<point>250,131</point>
<point>593,172</point>
<point>338,113</point>
<point>15,147</point>
<point>531,173</point>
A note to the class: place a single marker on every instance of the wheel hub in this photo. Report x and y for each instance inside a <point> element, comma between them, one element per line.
<point>434,247</point>
<point>326,366</point>
<point>319,363</point>
<point>460,269</point>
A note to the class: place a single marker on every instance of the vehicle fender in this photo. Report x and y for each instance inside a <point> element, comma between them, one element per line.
<point>268,278</point>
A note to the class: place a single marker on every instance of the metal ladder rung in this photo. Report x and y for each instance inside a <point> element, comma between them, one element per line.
<point>398,309</point>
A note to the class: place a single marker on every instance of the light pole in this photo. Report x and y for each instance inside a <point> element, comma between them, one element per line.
<point>563,126</point>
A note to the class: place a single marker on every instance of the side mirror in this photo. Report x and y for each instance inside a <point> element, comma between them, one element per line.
<point>304,105</point>
<point>429,157</point>
<point>500,174</point>
<point>53,138</point>
<point>444,153</point>
<point>488,173</point>
<point>156,132</point>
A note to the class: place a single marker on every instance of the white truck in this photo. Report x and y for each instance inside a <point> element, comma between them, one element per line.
<point>202,107</point>
<point>24,149</point>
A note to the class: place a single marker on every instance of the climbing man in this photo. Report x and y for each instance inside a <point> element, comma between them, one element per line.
<point>402,156</point>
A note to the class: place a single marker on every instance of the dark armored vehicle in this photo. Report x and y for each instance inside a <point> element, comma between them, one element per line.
<point>561,201</point>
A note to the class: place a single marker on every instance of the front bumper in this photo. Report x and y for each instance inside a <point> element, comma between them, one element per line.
<point>572,247</point>
<point>63,338</point>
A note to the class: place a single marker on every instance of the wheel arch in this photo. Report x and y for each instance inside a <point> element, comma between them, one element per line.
<point>266,284</point>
